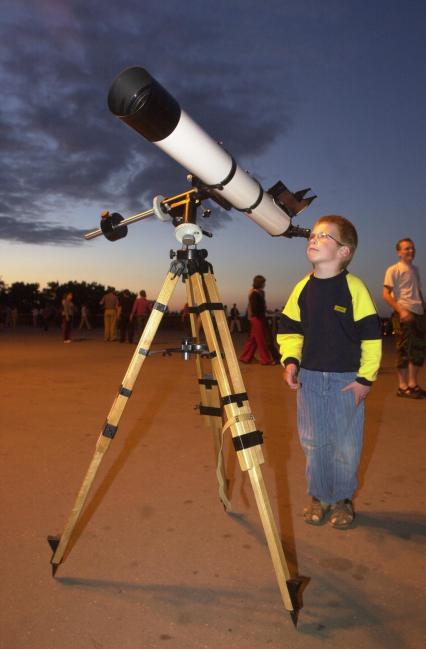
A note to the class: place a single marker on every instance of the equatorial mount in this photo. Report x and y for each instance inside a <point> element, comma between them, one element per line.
<point>181,211</point>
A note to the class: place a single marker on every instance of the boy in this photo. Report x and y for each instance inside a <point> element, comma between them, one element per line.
<point>402,291</point>
<point>330,343</point>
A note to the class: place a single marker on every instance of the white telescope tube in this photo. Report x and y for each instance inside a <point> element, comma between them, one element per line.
<point>142,103</point>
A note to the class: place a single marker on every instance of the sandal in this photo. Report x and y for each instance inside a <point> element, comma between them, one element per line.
<point>342,514</point>
<point>418,391</point>
<point>411,393</point>
<point>316,512</point>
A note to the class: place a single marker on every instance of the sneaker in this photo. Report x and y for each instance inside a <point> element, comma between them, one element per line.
<point>67,341</point>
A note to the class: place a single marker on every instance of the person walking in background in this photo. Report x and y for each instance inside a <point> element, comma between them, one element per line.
<point>271,339</point>
<point>185,319</point>
<point>7,315</point>
<point>402,291</point>
<point>14,316</point>
<point>140,312</point>
<point>125,304</point>
<point>67,317</point>
<point>110,304</point>
<point>84,317</point>
<point>35,313</point>
<point>330,343</point>
<point>256,313</point>
<point>234,319</point>
<point>48,316</point>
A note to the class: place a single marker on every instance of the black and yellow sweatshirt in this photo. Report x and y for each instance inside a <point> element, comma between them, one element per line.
<point>331,325</point>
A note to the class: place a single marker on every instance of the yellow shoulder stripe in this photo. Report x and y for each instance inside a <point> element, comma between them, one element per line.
<point>363,304</point>
<point>291,309</point>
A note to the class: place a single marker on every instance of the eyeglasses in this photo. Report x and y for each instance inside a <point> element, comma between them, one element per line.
<point>319,236</point>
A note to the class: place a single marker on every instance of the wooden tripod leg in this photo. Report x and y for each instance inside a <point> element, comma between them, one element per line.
<point>210,406</point>
<point>59,545</point>
<point>246,438</point>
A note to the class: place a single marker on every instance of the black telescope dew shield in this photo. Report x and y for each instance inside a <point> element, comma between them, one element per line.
<point>137,99</point>
<point>144,104</point>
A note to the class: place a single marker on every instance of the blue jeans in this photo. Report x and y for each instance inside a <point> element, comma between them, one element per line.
<point>330,429</point>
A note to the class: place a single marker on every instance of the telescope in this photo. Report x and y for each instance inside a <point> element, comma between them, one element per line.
<point>142,103</point>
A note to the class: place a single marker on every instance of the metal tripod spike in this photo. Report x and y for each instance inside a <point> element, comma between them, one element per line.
<point>232,405</point>
<point>295,586</point>
<point>53,541</point>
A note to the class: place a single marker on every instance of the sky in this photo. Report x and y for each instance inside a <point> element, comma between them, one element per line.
<point>323,94</point>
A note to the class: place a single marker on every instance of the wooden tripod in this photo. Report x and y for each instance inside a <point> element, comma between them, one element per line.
<point>223,397</point>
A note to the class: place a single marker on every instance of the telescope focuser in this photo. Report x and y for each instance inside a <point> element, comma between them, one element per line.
<point>297,231</point>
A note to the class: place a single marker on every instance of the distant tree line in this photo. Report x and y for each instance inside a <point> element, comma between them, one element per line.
<point>26,297</point>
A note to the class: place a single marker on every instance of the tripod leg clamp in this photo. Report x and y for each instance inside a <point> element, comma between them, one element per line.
<point>210,411</point>
<point>158,306</point>
<point>109,430</point>
<point>254,438</point>
<point>207,382</point>
<point>245,442</point>
<point>237,398</point>
<point>210,306</point>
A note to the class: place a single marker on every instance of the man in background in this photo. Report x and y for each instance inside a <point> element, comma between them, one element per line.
<point>402,291</point>
<point>110,304</point>
<point>141,309</point>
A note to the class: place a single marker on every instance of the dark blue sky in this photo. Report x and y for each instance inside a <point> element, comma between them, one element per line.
<point>329,95</point>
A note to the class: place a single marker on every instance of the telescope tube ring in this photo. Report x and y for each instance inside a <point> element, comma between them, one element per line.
<point>248,210</point>
<point>228,178</point>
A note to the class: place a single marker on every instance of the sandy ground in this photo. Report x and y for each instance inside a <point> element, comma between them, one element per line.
<point>156,562</point>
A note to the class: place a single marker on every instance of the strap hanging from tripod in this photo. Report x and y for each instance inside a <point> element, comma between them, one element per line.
<point>240,442</point>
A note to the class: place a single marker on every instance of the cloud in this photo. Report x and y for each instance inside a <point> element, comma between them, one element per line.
<point>61,145</point>
<point>39,233</point>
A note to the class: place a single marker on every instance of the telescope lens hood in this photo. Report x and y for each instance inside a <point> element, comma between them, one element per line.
<point>141,102</point>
